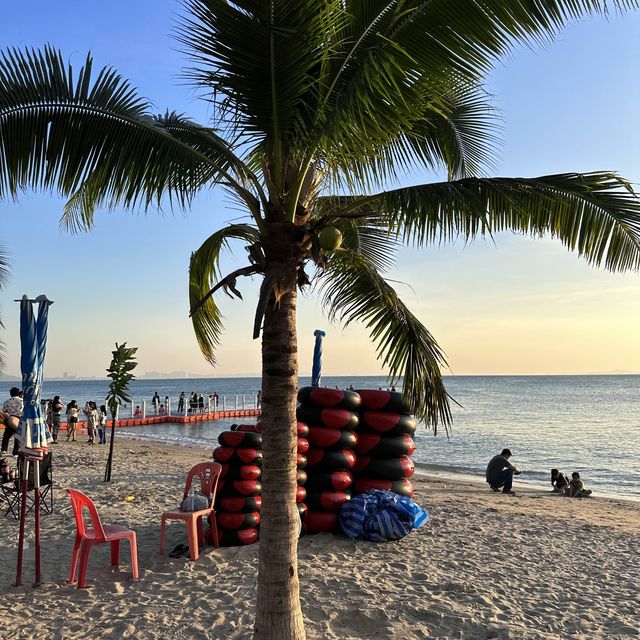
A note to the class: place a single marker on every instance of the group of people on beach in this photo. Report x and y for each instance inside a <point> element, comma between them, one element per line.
<point>500,472</point>
<point>52,410</point>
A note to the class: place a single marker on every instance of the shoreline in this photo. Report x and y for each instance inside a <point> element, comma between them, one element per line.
<point>484,566</point>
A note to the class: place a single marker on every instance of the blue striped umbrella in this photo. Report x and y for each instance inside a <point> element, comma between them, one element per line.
<point>317,358</point>
<point>33,433</point>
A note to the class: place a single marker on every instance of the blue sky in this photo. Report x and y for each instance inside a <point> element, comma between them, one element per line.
<point>515,305</point>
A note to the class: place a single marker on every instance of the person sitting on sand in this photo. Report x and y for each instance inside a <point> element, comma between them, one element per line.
<point>577,488</point>
<point>559,481</point>
<point>500,472</point>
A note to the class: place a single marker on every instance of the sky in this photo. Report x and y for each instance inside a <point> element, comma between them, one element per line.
<point>510,305</point>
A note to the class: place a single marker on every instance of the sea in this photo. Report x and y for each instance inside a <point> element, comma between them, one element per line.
<point>589,424</point>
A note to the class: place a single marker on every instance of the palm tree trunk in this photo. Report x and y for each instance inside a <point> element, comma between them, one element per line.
<point>278,612</point>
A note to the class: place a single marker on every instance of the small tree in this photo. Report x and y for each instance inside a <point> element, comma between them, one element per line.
<point>122,364</point>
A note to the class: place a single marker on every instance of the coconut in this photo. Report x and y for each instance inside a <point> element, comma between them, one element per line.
<point>330,238</point>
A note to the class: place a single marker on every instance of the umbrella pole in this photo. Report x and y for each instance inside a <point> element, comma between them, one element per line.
<point>24,480</point>
<point>36,497</point>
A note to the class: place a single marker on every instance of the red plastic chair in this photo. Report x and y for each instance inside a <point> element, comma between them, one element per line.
<point>98,534</point>
<point>209,473</point>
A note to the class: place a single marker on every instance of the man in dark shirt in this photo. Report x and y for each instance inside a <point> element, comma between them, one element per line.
<point>500,472</point>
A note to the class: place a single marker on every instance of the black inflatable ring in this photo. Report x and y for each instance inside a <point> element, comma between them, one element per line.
<point>241,472</point>
<point>242,488</point>
<point>378,400</point>
<point>243,439</point>
<point>247,520</point>
<point>232,455</point>
<point>327,397</point>
<point>326,438</point>
<point>333,418</point>
<point>330,460</point>
<point>385,468</point>
<point>237,504</point>
<point>401,487</point>
<point>328,500</point>
<point>330,481</point>
<point>383,446</point>
<point>390,424</point>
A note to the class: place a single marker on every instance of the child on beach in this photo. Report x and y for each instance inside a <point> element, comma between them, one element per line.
<point>577,488</point>
<point>90,410</point>
<point>559,481</point>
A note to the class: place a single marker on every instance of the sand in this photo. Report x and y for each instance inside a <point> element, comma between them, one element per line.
<point>486,566</point>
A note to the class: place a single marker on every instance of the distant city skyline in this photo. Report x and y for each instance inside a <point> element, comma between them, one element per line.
<point>513,306</point>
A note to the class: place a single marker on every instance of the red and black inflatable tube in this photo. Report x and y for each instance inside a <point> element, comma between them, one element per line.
<point>389,424</point>
<point>237,504</point>
<point>254,428</point>
<point>241,472</point>
<point>333,418</point>
<point>242,520</point>
<point>303,430</point>
<point>242,439</point>
<point>327,397</point>
<point>240,488</point>
<point>330,481</point>
<point>321,521</point>
<point>385,468</point>
<point>330,460</point>
<point>379,400</point>
<point>237,538</point>
<point>301,461</point>
<point>303,445</point>
<point>327,500</point>
<point>301,494</point>
<point>327,438</point>
<point>301,477</point>
<point>233,455</point>
<point>401,487</point>
<point>382,446</point>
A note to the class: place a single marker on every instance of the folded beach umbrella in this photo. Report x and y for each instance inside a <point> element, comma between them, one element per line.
<point>33,433</point>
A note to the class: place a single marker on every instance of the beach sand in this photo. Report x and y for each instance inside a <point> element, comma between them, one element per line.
<point>486,566</point>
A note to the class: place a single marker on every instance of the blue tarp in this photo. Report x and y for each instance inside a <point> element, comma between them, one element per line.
<point>380,516</point>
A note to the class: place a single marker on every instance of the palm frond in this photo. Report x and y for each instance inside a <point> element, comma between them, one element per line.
<point>204,270</point>
<point>353,290</point>
<point>95,140</point>
<point>595,214</point>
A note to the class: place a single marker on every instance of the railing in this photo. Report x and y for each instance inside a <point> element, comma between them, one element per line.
<point>144,408</point>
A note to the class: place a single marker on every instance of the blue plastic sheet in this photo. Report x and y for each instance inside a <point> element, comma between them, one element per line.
<point>380,516</point>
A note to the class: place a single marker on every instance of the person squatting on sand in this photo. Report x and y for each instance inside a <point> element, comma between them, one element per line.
<point>13,410</point>
<point>500,472</point>
<point>559,481</point>
<point>577,488</point>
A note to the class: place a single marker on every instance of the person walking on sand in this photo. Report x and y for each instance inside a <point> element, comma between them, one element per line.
<point>13,409</point>
<point>72,420</point>
<point>500,473</point>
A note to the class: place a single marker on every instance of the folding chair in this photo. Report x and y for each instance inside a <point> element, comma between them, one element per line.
<point>11,492</point>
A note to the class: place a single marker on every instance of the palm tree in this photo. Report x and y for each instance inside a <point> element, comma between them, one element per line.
<point>318,105</point>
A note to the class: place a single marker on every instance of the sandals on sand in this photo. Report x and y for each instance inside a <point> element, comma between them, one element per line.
<point>179,551</point>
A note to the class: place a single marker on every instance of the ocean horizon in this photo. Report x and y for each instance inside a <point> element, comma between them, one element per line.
<point>585,423</point>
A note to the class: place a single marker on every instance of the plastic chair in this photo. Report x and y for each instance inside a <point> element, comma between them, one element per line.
<point>209,473</point>
<point>98,534</point>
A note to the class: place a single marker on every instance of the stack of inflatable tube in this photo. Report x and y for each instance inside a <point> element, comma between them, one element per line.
<point>384,443</point>
<point>238,498</point>
<point>331,417</point>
